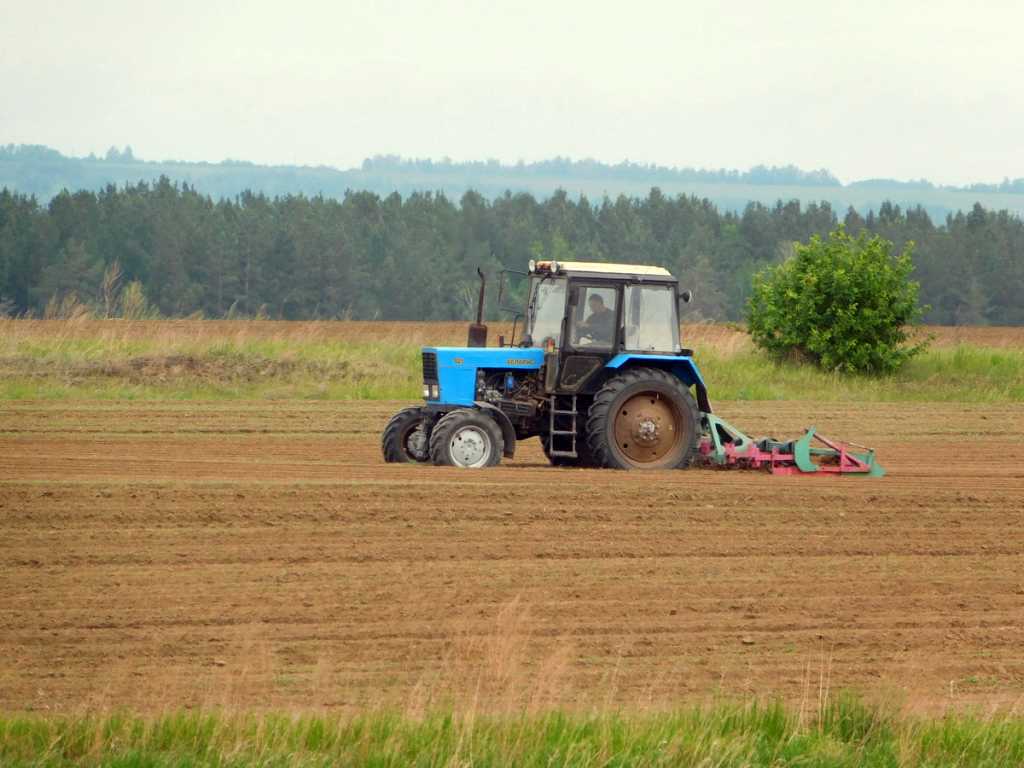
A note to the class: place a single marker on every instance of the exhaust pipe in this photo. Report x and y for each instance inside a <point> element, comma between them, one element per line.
<point>477,330</point>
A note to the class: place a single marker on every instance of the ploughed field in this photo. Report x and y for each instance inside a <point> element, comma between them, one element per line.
<point>261,554</point>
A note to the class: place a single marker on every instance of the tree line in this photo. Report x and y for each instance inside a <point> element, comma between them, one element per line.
<point>567,168</point>
<point>365,256</point>
<point>44,172</point>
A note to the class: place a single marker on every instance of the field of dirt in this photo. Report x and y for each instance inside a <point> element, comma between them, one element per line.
<point>261,555</point>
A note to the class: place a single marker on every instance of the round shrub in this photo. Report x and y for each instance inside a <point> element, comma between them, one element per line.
<point>843,303</point>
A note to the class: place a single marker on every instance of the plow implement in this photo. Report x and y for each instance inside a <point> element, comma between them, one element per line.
<point>726,446</point>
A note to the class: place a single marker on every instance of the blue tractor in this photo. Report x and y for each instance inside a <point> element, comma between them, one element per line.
<point>598,376</point>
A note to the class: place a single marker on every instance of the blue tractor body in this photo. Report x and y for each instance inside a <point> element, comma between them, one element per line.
<point>459,368</point>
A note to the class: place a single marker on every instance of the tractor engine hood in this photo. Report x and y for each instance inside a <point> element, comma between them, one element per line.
<point>457,367</point>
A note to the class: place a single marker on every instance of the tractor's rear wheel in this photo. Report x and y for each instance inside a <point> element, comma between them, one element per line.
<point>644,418</point>
<point>466,438</point>
<point>406,437</point>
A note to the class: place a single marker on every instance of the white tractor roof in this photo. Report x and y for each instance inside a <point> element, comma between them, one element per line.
<point>605,269</point>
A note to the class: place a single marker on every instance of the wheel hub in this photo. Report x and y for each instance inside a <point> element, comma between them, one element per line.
<point>647,427</point>
<point>646,431</point>
<point>470,447</point>
<point>416,443</point>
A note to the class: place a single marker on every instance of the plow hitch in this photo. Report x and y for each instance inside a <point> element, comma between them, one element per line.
<point>726,446</point>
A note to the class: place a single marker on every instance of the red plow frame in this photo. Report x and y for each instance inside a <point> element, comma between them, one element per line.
<point>812,454</point>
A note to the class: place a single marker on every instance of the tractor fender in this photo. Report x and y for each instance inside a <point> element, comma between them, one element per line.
<point>508,432</point>
<point>681,366</point>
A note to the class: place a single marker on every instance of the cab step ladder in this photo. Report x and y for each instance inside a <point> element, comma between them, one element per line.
<point>559,419</point>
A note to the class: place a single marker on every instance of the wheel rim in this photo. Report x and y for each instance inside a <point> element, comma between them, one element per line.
<point>648,427</point>
<point>470,447</point>
<point>416,443</point>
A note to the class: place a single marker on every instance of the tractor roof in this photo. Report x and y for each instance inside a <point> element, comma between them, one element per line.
<point>596,268</point>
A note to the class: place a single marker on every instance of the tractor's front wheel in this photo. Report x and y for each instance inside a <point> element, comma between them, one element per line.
<point>466,438</point>
<point>644,418</point>
<point>406,438</point>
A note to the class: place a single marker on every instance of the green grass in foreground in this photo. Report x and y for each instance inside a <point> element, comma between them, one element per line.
<point>361,370</point>
<point>845,733</point>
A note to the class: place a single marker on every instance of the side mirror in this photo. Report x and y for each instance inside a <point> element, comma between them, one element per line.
<point>685,296</point>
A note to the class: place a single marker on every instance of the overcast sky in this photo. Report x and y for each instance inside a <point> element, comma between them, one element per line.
<point>865,89</point>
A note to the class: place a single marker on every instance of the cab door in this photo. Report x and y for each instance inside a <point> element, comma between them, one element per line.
<point>592,334</point>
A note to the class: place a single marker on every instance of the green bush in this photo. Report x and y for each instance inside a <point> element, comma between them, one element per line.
<point>842,303</point>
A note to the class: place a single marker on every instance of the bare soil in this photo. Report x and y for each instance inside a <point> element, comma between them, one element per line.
<point>262,555</point>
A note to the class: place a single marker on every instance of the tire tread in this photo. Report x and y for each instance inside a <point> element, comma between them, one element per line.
<point>390,442</point>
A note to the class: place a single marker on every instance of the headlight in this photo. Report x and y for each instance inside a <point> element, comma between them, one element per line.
<point>435,391</point>
<point>426,392</point>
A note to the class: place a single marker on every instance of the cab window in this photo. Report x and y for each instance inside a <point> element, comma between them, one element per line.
<point>546,310</point>
<point>650,319</point>
<point>593,319</point>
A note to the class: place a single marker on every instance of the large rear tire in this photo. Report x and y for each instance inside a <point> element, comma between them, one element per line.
<point>406,438</point>
<point>466,438</point>
<point>644,418</point>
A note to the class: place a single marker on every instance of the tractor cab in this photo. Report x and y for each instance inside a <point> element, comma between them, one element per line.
<point>584,314</point>
<point>584,306</point>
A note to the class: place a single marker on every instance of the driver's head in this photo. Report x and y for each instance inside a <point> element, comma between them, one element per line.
<point>596,303</point>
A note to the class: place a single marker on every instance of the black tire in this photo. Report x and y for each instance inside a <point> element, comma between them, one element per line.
<point>559,461</point>
<point>461,435</point>
<point>662,432</point>
<point>584,456</point>
<point>400,444</point>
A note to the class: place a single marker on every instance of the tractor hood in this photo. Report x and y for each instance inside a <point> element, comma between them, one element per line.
<point>528,358</point>
<point>456,367</point>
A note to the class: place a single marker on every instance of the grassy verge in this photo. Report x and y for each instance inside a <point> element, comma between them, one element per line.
<point>844,733</point>
<point>117,360</point>
<point>957,374</point>
<point>211,369</point>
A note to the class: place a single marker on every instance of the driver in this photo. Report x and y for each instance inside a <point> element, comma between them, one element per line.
<point>600,325</point>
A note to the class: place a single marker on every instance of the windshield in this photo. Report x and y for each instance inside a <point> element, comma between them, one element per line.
<point>546,309</point>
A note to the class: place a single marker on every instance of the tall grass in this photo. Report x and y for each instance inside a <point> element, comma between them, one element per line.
<point>845,732</point>
<point>952,374</point>
<point>342,361</point>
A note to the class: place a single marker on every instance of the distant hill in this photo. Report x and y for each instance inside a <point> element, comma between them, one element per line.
<point>43,172</point>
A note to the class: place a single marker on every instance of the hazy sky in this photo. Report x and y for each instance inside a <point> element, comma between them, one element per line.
<point>895,88</point>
